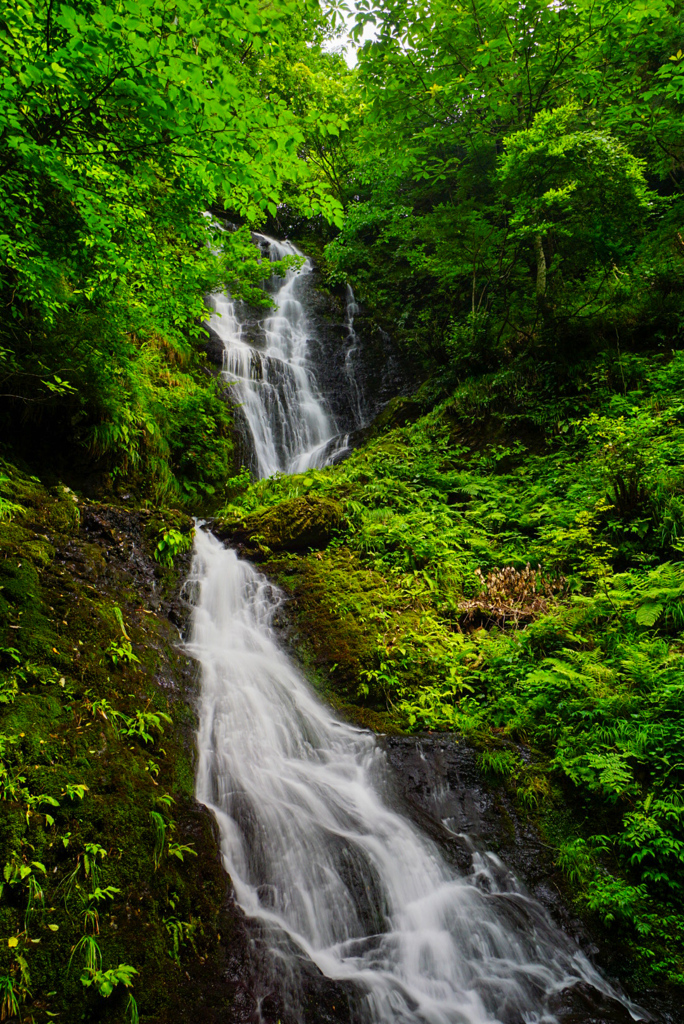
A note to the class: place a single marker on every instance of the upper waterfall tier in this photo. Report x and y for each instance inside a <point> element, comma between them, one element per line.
<point>289,424</point>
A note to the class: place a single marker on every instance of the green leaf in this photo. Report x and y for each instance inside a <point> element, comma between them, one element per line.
<point>649,613</point>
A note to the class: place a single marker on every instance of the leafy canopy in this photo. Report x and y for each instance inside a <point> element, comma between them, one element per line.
<point>123,121</point>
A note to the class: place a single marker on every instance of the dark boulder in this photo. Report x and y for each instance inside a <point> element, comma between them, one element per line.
<point>212,346</point>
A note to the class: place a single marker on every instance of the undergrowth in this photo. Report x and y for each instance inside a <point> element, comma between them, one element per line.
<point>109,885</point>
<point>519,578</point>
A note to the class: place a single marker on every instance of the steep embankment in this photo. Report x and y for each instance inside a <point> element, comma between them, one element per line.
<point>509,566</point>
<point>112,882</point>
<point>112,879</point>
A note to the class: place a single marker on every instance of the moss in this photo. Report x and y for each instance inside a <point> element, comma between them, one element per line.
<point>296,524</point>
<point>55,510</point>
<point>398,412</point>
<point>12,536</point>
<point>344,617</point>
<point>331,640</point>
<point>63,576</point>
<point>64,515</point>
<point>41,552</point>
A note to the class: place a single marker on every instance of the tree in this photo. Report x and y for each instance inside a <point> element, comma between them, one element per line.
<point>563,179</point>
<point>121,122</point>
<point>520,221</point>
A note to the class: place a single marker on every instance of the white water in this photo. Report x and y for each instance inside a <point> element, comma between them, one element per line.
<point>317,856</point>
<point>316,853</point>
<point>289,426</point>
<point>350,359</point>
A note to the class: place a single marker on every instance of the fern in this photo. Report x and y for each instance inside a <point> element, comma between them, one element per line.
<point>649,612</point>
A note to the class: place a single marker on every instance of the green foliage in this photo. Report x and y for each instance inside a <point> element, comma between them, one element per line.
<point>117,130</point>
<point>11,997</point>
<point>180,850</point>
<point>8,509</point>
<point>171,543</point>
<point>561,179</point>
<point>424,611</point>
<point>500,762</point>
<point>566,183</point>
<point>144,723</point>
<point>120,650</point>
<point>159,826</point>
<point>105,982</point>
<point>180,932</point>
<point>77,779</point>
<point>193,127</point>
<point>496,202</point>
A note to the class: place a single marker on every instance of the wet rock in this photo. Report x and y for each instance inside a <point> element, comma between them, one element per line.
<point>398,412</point>
<point>212,346</point>
<point>440,777</point>
<point>584,1005</point>
<point>377,366</point>
<point>439,784</point>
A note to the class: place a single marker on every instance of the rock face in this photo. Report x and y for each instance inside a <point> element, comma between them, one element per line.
<point>377,366</point>
<point>213,346</point>
<point>440,784</point>
<point>398,412</point>
<point>294,525</point>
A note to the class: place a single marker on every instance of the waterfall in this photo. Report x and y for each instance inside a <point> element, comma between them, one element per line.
<point>289,426</point>
<point>350,359</point>
<point>321,862</point>
<point>317,855</point>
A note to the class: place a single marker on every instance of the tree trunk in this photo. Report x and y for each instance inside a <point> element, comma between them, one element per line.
<point>541,267</point>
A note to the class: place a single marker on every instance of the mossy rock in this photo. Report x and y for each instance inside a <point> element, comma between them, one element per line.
<point>39,551</point>
<point>398,412</point>
<point>336,615</point>
<point>294,525</point>
<point>55,510</point>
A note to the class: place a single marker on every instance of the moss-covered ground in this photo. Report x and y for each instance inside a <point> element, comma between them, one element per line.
<point>509,567</point>
<point>112,890</point>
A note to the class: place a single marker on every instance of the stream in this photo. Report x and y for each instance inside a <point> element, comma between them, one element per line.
<point>321,861</point>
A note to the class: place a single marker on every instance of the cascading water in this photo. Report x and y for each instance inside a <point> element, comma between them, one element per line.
<point>316,854</point>
<point>318,858</point>
<point>289,426</point>
<point>350,368</point>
